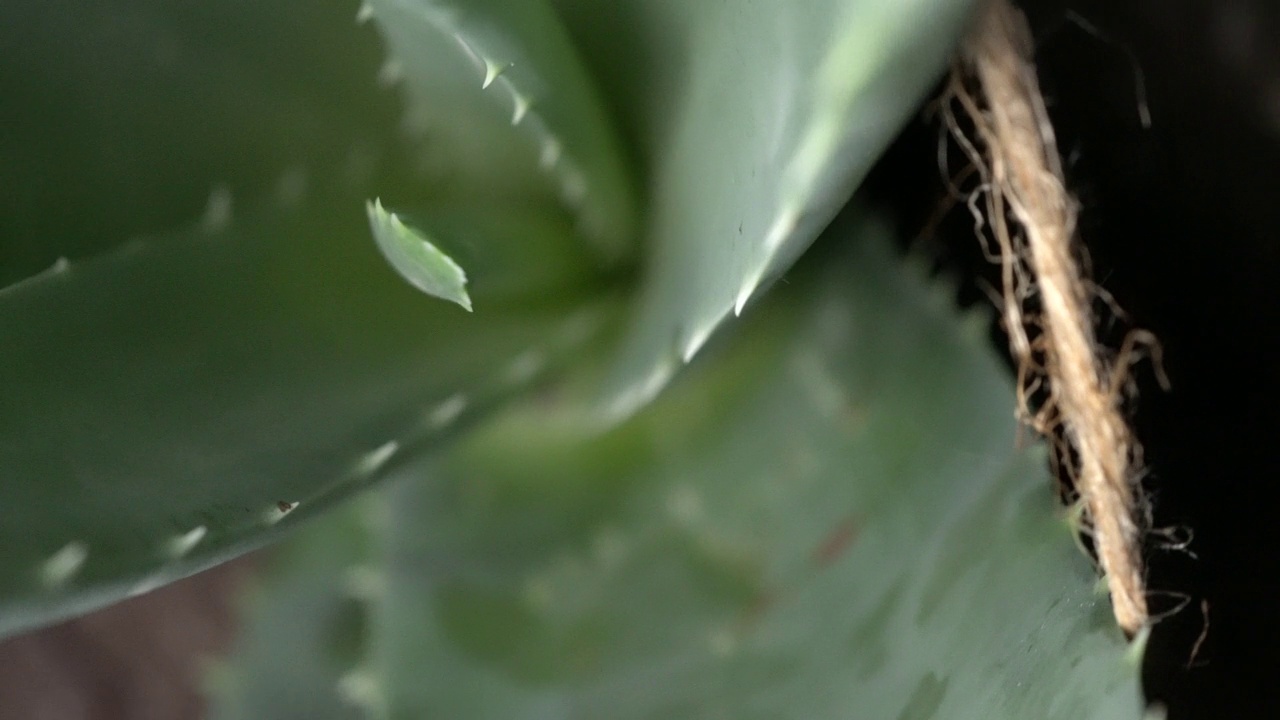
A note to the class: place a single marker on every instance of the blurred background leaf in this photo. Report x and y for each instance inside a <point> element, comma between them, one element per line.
<point>826,516</point>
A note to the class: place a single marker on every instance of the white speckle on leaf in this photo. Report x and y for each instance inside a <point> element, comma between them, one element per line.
<point>390,74</point>
<point>820,385</point>
<point>684,504</point>
<point>524,367</point>
<point>538,593</point>
<point>364,582</point>
<point>364,14</point>
<point>64,564</point>
<point>722,643</point>
<point>609,547</point>
<point>179,545</point>
<point>550,153</point>
<point>361,689</point>
<point>217,211</point>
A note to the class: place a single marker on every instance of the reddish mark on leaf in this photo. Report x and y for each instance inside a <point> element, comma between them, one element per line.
<point>284,507</point>
<point>837,542</point>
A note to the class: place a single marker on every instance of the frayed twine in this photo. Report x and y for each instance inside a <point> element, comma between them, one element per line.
<point>1046,300</point>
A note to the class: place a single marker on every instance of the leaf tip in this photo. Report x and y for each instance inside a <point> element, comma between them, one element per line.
<point>63,565</point>
<point>416,258</point>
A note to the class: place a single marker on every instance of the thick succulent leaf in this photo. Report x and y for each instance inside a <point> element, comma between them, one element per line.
<point>827,517</point>
<point>756,121</point>
<point>167,404</point>
<point>504,98</point>
<point>121,117</point>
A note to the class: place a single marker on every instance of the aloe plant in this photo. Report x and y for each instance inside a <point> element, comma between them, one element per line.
<point>532,509</point>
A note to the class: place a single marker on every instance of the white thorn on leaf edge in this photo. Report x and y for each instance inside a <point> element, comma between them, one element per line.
<point>783,225</point>
<point>492,70</point>
<point>446,412</point>
<point>146,585</point>
<point>59,267</point>
<point>64,564</point>
<point>376,458</point>
<point>276,512</point>
<point>749,285</point>
<point>635,396</point>
<point>699,338</point>
<point>179,545</point>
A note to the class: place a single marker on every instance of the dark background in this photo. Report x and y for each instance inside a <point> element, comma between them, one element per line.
<point>1182,224</point>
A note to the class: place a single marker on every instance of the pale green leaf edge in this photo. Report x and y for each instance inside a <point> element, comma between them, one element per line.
<point>416,258</point>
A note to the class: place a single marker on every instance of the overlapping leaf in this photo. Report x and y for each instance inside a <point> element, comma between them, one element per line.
<point>755,122</point>
<point>505,102</point>
<point>825,518</point>
<point>167,399</point>
<point>164,406</point>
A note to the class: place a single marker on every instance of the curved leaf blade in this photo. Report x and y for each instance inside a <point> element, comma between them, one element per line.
<point>826,517</point>
<point>174,404</point>
<point>758,120</point>
<point>493,72</point>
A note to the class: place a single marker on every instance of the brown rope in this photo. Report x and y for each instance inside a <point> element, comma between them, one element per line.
<point>1017,157</point>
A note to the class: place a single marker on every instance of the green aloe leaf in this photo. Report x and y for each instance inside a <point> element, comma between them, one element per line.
<point>755,121</point>
<point>505,101</point>
<point>127,118</point>
<point>169,405</point>
<point>826,517</point>
<point>172,398</point>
